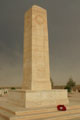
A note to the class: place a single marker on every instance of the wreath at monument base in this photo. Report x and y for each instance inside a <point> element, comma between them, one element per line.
<point>61,108</point>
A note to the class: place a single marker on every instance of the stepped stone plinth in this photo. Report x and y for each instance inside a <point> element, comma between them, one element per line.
<point>36,88</point>
<point>33,99</point>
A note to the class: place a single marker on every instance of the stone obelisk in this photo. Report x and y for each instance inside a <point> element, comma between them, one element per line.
<point>36,50</point>
<point>36,86</point>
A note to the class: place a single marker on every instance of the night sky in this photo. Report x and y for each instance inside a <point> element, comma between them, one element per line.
<point>64,39</point>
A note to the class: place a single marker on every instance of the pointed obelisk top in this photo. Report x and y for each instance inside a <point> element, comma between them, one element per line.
<point>36,6</point>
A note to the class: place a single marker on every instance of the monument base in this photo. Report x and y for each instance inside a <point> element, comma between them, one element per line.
<point>33,99</point>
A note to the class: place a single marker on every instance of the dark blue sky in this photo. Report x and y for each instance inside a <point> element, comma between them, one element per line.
<point>64,39</point>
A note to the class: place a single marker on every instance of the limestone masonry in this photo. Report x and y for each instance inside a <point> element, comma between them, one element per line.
<point>36,88</point>
<point>36,50</point>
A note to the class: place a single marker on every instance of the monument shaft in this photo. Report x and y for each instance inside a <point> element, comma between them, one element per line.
<point>36,50</point>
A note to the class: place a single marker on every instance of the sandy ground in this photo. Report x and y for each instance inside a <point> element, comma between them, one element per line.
<point>74,98</point>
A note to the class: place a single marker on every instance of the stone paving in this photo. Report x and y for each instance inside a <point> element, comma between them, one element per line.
<point>74,99</point>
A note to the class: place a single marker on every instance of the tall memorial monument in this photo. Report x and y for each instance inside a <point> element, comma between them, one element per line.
<point>36,50</point>
<point>36,86</point>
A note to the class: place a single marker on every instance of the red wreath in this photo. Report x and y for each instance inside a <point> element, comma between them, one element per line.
<point>61,108</point>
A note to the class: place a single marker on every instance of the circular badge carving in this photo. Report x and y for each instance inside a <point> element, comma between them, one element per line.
<point>39,19</point>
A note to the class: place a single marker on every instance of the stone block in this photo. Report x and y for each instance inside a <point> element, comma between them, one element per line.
<point>33,99</point>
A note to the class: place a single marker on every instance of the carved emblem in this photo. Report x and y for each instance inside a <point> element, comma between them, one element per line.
<point>39,19</point>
